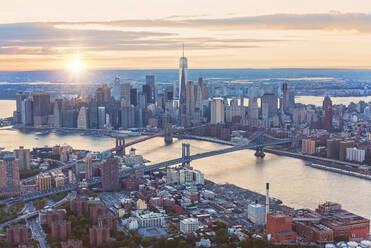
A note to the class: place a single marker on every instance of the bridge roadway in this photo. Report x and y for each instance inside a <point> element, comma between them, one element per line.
<point>310,157</point>
<point>61,166</point>
<point>153,167</point>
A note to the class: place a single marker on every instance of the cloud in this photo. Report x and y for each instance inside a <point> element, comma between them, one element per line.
<point>325,21</point>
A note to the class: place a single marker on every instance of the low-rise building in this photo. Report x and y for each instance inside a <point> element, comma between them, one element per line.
<point>151,219</point>
<point>189,225</point>
<point>256,213</point>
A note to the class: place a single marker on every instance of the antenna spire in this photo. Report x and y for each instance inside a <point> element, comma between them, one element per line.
<point>183,49</point>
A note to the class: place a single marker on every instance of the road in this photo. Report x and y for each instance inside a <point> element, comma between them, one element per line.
<point>37,231</point>
<point>29,210</point>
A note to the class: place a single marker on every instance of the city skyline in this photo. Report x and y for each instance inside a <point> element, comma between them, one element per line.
<point>237,34</point>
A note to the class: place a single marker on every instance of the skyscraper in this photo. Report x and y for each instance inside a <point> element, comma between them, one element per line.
<point>9,176</point>
<point>150,80</point>
<point>116,89</point>
<point>20,96</point>
<point>125,93</point>
<point>93,114</point>
<point>82,119</point>
<point>58,112</point>
<point>99,95</point>
<point>285,100</point>
<point>190,99</point>
<point>147,91</point>
<point>110,180</point>
<point>133,96</point>
<point>216,111</point>
<point>101,117</point>
<point>41,108</point>
<point>270,102</point>
<point>183,79</point>
<point>27,112</point>
<point>327,108</point>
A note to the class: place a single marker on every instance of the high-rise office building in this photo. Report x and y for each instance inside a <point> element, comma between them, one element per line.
<point>116,89</point>
<point>82,119</point>
<point>9,176</point>
<point>127,116</point>
<point>101,117</point>
<point>23,156</point>
<point>125,93</point>
<point>20,96</point>
<point>253,108</point>
<point>287,100</point>
<point>67,114</point>
<point>190,100</point>
<point>110,179</point>
<point>58,102</point>
<point>106,92</point>
<point>27,112</point>
<point>147,91</point>
<point>216,111</point>
<point>99,96</point>
<point>150,80</point>
<point>269,101</point>
<point>327,108</point>
<point>93,114</point>
<point>133,96</point>
<point>41,108</point>
<point>183,79</point>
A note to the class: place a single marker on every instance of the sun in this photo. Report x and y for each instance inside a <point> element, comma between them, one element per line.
<point>76,65</point>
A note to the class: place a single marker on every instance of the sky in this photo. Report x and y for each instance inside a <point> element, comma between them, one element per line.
<point>148,34</point>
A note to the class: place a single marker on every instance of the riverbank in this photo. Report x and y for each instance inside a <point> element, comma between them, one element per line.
<point>340,171</point>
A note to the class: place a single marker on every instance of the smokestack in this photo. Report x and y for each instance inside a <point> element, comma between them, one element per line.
<point>267,203</point>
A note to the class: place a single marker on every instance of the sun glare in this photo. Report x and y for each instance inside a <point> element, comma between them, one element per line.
<point>76,65</point>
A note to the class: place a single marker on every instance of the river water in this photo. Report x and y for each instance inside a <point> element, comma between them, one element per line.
<point>297,185</point>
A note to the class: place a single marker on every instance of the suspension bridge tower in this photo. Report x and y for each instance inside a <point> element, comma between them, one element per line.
<point>260,142</point>
<point>120,145</point>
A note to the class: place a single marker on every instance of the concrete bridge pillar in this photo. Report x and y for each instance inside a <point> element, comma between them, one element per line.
<point>120,145</point>
<point>168,136</point>
<point>260,142</point>
<point>186,154</point>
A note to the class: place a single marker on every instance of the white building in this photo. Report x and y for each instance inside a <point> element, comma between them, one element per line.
<point>82,119</point>
<point>151,219</point>
<point>189,225</point>
<point>256,214</point>
<point>132,224</point>
<point>217,111</point>
<point>354,154</point>
<point>182,176</point>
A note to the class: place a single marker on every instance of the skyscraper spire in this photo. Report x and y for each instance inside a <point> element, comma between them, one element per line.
<point>183,49</point>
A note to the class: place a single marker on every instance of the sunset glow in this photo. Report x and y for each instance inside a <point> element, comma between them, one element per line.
<point>233,34</point>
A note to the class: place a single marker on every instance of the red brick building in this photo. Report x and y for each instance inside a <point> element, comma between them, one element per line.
<point>130,183</point>
<point>98,236</point>
<point>17,234</point>
<point>279,226</point>
<point>61,229</point>
<point>108,221</point>
<point>110,179</point>
<point>72,244</point>
<point>342,222</point>
<point>96,211</point>
<point>55,215</point>
<point>79,206</point>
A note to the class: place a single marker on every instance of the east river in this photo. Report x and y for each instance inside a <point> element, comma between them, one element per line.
<point>297,185</point>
